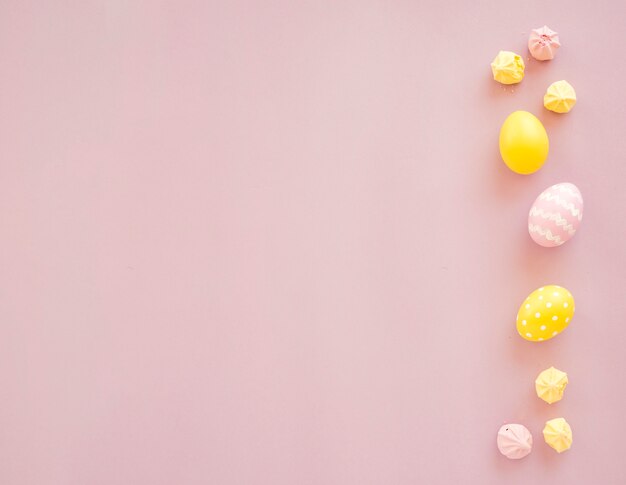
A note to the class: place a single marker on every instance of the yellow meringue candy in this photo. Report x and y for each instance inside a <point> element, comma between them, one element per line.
<point>550,385</point>
<point>560,97</point>
<point>558,434</point>
<point>508,68</point>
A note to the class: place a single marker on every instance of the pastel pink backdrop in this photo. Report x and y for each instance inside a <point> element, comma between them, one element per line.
<point>273,243</point>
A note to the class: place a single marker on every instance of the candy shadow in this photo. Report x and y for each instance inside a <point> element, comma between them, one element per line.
<point>496,90</point>
<point>553,122</point>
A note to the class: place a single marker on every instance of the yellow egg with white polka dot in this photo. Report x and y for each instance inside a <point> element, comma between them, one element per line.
<point>545,313</point>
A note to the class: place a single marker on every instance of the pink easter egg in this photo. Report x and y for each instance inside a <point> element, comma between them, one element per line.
<point>555,215</point>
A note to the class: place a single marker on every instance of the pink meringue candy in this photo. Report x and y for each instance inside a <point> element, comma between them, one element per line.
<point>514,441</point>
<point>543,43</point>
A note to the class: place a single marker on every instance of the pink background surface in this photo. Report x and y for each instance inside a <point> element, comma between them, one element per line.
<point>273,243</point>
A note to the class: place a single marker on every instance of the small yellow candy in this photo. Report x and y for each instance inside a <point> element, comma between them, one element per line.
<point>560,97</point>
<point>558,434</point>
<point>508,68</point>
<point>545,313</point>
<point>550,385</point>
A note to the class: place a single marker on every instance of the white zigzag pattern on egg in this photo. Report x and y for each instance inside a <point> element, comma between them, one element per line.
<point>545,233</point>
<point>548,197</point>
<point>567,188</point>
<point>555,217</point>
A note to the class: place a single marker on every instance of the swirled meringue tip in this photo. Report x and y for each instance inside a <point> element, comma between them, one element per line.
<point>514,441</point>
<point>508,67</point>
<point>560,97</point>
<point>558,434</point>
<point>550,385</point>
<point>543,43</point>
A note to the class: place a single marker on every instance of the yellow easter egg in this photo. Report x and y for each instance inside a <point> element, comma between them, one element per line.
<point>523,142</point>
<point>545,313</point>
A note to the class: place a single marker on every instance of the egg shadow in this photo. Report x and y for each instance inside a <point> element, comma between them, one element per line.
<point>504,184</point>
<point>540,264</point>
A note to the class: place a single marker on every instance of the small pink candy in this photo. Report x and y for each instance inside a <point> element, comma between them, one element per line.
<point>543,43</point>
<point>514,441</point>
